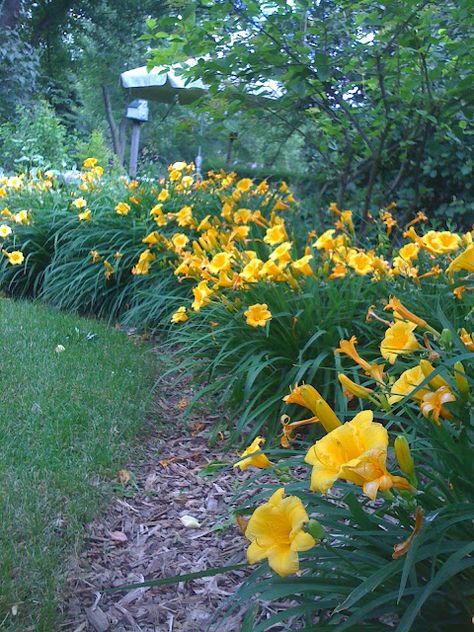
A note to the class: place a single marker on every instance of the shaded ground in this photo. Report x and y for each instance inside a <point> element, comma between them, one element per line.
<point>142,537</point>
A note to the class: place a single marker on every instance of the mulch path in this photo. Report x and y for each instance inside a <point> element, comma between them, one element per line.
<point>142,537</point>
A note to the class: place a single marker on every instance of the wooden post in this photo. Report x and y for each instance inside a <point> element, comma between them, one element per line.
<point>134,145</point>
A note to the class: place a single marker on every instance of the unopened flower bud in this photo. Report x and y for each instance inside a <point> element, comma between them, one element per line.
<point>460,378</point>
<point>353,388</point>
<point>315,402</point>
<point>403,454</point>
<point>446,339</point>
<point>315,528</point>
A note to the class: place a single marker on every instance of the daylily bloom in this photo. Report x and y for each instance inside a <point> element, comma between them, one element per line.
<point>275,531</point>
<point>5,231</point>
<point>122,208</point>
<point>432,404</point>
<point>244,185</point>
<point>179,240</point>
<point>348,348</point>
<point>144,262</point>
<point>301,266</point>
<point>355,451</point>
<point>401,312</point>
<point>201,294</point>
<point>79,203</point>
<point>361,263</point>
<point>220,262</point>
<point>409,252</point>
<point>467,339</point>
<point>180,315</point>
<point>281,253</point>
<point>89,163</point>
<point>399,339</point>
<point>85,215</point>
<point>257,315</point>
<point>275,235</point>
<point>259,461</point>
<point>21,217</point>
<point>15,257</point>
<point>152,238</point>
<point>108,270</point>
<point>408,381</point>
<point>464,261</point>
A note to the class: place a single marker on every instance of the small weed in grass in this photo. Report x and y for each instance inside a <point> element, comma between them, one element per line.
<point>66,420</point>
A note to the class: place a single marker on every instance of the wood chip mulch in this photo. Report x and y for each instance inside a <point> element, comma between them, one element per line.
<point>141,536</point>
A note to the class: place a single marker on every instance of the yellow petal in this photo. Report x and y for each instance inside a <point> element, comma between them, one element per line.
<point>283,561</point>
<point>302,542</point>
<point>256,553</point>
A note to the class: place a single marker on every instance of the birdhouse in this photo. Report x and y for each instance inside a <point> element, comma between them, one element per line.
<point>138,110</point>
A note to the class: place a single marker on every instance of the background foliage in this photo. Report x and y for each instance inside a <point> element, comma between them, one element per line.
<point>375,100</point>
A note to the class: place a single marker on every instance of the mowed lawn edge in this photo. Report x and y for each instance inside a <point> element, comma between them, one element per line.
<point>68,419</point>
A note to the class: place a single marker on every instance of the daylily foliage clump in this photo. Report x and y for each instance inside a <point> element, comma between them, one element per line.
<point>341,350</point>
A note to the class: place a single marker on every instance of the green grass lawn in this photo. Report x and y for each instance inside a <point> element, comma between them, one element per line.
<point>66,422</point>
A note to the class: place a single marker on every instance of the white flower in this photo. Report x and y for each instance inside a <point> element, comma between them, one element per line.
<point>60,349</point>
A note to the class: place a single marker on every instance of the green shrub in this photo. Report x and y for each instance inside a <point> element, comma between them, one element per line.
<point>35,139</point>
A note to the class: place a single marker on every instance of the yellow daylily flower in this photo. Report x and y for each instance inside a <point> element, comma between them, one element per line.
<point>179,240</point>
<point>21,217</point>
<point>250,272</point>
<point>355,451</point>
<point>15,257</point>
<point>163,195</point>
<point>85,215</point>
<point>89,163</point>
<point>122,208</point>
<point>467,339</point>
<point>79,203</point>
<point>258,315</point>
<point>401,312</point>
<point>276,533</point>
<point>282,253</point>
<point>432,404</point>
<point>244,185</point>
<point>259,461</point>
<point>152,238</point>
<point>180,315</point>
<point>144,262</point>
<point>409,252</point>
<point>361,263</point>
<point>464,261</point>
<point>5,231</point>
<point>301,266</point>
<point>108,270</point>
<point>221,262</point>
<point>275,235</point>
<point>399,339</point>
<point>201,293</point>
<point>406,384</point>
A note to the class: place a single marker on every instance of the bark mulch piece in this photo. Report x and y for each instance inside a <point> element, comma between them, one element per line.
<point>142,537</point>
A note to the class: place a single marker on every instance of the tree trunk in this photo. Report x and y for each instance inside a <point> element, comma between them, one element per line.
<point>9,14</point>
<point>344,180</point>
<point>374,169</point>
<point>116,133</point>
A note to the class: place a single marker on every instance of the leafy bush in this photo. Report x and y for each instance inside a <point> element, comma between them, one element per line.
<point>36,138</point>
